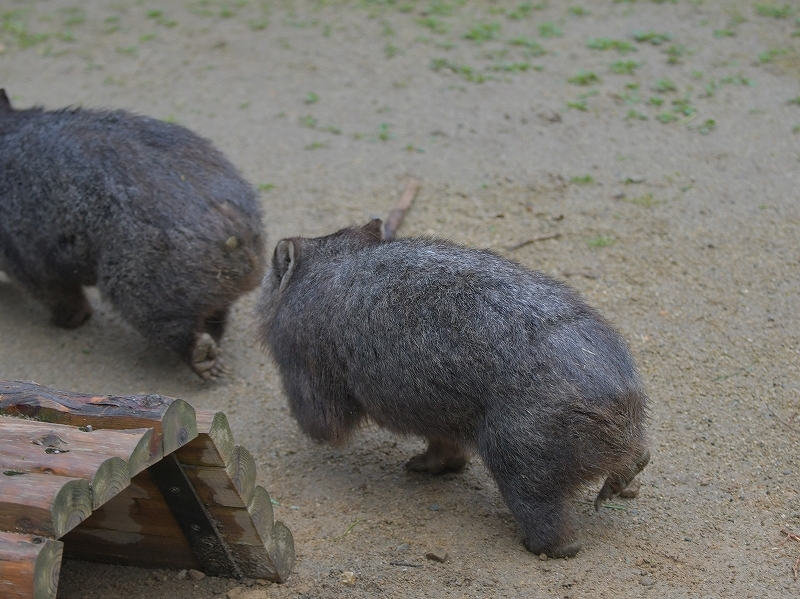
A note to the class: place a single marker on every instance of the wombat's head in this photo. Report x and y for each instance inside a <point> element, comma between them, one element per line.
<point>294,254</point>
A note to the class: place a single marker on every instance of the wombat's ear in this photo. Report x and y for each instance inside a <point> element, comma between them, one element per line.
<point>283,261</point>
<point>373,229</point>
<point>5,103</point>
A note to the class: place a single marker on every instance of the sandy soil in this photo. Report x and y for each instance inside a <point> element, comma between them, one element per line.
<point>685,233</point>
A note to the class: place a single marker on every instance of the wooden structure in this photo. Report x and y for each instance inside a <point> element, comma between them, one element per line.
<point>144,480</point>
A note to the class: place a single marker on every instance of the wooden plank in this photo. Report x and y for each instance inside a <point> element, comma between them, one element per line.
<point>135,528</point>
<point>195,521</point>
<point>130,549</point>
<point>231,486</point>
<point>173,420</point>
<point>223,476</point>
<point>139,509</point>
<point>29,566</point>
<point>43,504</point>
<point>36,444</point>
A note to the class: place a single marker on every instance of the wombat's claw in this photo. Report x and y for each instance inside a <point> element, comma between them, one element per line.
<point>206,359</point>
<point>616,485</point>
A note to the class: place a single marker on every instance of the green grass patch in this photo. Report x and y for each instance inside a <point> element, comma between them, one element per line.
<point>772,54</point>
<point>776,12</point>
<point>645,201</point>
<point>532,47</point>
<point>675,54</point>
<point>601,241</point>
<point>483,32</point>
<point>434,24</point>
<point>510,67</point>
<point>652,37</point>
<point>266,186</point>
<point>665,85</point>
<point>666,117</point>
<point>633,114</point>
<point>708,126</point>
<point>311,98</point>
<point>584,78</point>
<point>524,10</point>
<point>582,180</point>
<point>549,30</point>
<point>383,132</point>
<point>624,67</point>
<point>132,51</point>
<point>606,43</point>
<point>578,11</point>
<point>467,72</point>
<point>308,121</point>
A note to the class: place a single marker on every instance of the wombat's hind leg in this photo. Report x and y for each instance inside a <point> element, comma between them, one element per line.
<point>68,305</point>
<point>215,323</point>
<point>617,483</point>
<point>440,457</point>
<point>205,358</point>
<point>532,475</point>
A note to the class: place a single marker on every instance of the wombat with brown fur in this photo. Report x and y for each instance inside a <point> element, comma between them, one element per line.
<point>148,211</point>
<point>467,349</point>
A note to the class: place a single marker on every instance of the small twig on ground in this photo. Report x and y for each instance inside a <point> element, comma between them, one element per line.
<point>405,564</point>
<point>516,246</point>
<point>780,420</point>
<point>396,216</point>
<point>793,537</point>
<point>610,506</point>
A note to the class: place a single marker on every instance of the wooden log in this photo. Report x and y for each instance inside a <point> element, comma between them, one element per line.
<point>29,566</point>
<point>43,504</point>
<point>173,420</point>
<point>26,446</point>
<point>213,445</point>
<point>100,456</point>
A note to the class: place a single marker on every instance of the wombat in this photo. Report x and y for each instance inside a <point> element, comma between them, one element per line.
<point>148,211</point>
<point>467,349</point>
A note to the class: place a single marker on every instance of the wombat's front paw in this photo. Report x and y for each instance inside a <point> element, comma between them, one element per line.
<point>440,457</point>
<point>206,360</point>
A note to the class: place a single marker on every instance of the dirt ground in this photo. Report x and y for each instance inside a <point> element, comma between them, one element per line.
<point>653,145</point>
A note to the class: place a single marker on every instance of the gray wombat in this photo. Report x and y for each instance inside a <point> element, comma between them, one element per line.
<point>467,349</point>
<point>149,212</point>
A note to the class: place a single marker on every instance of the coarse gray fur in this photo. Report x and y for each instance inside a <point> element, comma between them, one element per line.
<point>467,349</point>
<point>148,211</point>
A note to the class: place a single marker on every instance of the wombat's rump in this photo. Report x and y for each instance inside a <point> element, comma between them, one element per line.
<point>148,211</point>
<point>467,349</point>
